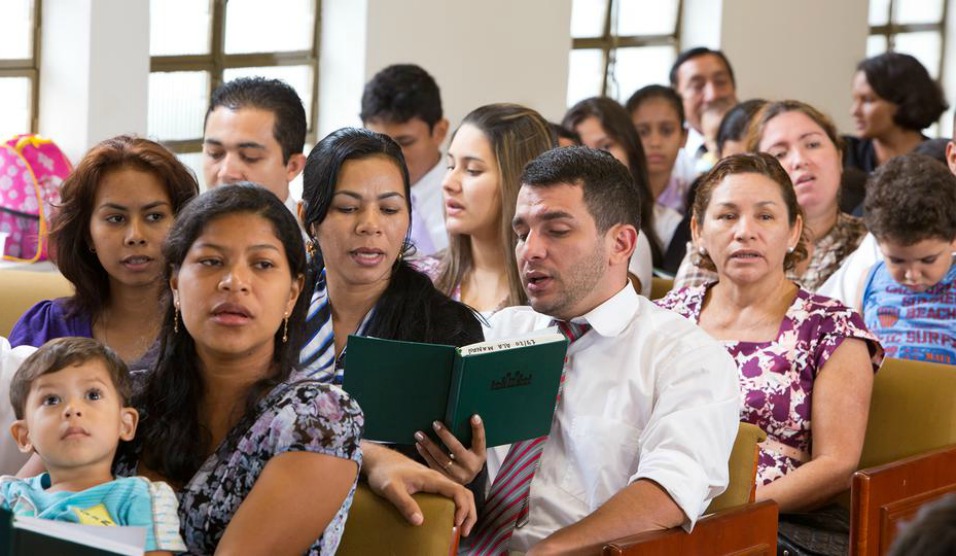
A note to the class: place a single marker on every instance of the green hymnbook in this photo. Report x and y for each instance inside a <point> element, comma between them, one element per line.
<point>403,387</point>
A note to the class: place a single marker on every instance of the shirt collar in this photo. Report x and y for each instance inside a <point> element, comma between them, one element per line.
<point>694,141</point>
<point>292,204</point>
<point>611,317</point>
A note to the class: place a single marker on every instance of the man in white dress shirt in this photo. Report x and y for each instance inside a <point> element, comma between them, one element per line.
<point>403,102</point>
<point>255,131</point>
<point>648,412</point>
<point>701,77</point>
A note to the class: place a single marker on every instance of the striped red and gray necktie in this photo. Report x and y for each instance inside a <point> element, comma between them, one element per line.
<point>507,504</point>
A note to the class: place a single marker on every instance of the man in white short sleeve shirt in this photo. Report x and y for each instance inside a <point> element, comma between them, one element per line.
<point>649,407</point>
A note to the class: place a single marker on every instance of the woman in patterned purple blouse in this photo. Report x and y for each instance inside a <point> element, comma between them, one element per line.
<point>263,462</point>
<point>806,362</point>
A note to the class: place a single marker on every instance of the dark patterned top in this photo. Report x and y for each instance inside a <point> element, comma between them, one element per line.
<point>828,254</point>
<point>776,377</point>
<point>301,416</point>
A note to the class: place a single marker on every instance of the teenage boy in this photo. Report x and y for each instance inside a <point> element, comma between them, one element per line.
<point>403,102</point>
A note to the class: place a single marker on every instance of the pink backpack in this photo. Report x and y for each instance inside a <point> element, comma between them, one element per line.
<point>32,168</point>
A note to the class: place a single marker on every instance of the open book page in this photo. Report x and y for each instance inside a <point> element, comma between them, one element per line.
<point>119,539</point>
<point>545,336</point>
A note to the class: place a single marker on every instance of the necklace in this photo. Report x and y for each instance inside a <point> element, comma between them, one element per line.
<point>137,348</point>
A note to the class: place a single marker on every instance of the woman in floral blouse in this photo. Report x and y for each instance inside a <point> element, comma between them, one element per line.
<point>263,463</point>
<point>805,142</point>
<point>806,362</point>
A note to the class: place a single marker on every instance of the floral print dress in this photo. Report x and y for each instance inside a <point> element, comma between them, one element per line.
<point>776,377</point>
<point>298,416</point>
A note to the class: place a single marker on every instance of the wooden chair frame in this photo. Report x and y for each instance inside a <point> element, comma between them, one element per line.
<point>883,497</point>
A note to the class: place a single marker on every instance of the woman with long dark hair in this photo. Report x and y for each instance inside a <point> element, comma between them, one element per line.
<point>264,461</point>
<point>357,209</point>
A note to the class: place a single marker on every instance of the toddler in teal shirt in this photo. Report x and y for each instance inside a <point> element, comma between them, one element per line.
<point>71,401</point>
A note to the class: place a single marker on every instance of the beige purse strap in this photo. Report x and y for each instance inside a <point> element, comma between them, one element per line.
<point>777,447</point>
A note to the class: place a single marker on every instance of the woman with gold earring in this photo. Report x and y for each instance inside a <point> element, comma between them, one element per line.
<point>357,208</point>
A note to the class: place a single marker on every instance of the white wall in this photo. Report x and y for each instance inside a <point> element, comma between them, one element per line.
<point>801,50</point>
<point>95,55</point>
<point>94,71</point>
<point>501,50</point>
<point>701,24</point>
<point>478,52</point>
<point>949,79</point>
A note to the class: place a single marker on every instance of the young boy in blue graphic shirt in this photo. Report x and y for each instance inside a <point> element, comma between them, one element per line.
<point>909,298</point>
<point>71,401</point>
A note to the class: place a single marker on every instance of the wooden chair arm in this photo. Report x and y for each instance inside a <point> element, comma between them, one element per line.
<point>749,529</point>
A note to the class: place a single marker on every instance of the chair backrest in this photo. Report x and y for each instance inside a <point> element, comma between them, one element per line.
<point>743,469</point>
<point>750,529</point>
<point>886,496</point>
<point>913,410</point>
<point>21,289</point>
<point>660,287</point>
<point>912,416</point>
<point>374,526</point>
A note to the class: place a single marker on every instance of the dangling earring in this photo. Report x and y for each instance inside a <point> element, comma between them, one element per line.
<point>176,318</point>
<point>310,248</point>
<point>285,329</point>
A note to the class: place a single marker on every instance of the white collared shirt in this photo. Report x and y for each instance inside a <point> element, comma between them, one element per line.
<point>11,459</point>
<point>642,264</point>
<point>647,395</point>
<point>292,204</point>
<point>845,284</point>
<point>685,167</point>
<point>666,221</point>
<point>429,209</point>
